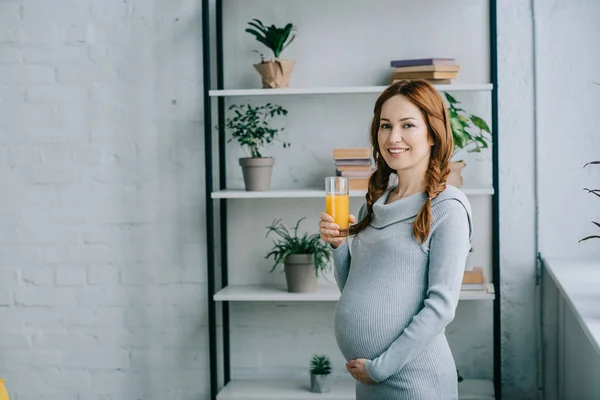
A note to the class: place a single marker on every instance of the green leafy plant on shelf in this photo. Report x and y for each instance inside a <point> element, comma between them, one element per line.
<point>251,126</point>
<point>276,39</point>
<point>320,364</point>
<point>275,72</point>
<point>463,125</point>
<point>320,370</point>
<point>292,244</point>
<point>595,192</point>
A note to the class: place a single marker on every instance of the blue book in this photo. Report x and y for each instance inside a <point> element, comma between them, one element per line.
<point>421,61</point>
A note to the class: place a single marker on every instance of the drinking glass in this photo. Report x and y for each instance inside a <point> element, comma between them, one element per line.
<point>337,201</point>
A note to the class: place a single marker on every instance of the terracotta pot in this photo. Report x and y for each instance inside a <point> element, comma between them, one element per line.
<point>275,74</point>
<point>300,273</point>
<point>257,173</point>
<point>455,178</point>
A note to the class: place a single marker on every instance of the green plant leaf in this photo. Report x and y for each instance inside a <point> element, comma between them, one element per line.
<point>256,25</point>
<point>293,243</point>
<point>258,22</point>
<point>593,191</point>
<point>480,123</point>
<point>589,237</point>
<point>451,99</point>
<point>591,163</point>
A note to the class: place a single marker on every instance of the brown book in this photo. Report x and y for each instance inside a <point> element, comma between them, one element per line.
<point>351,153</point>
<point>473,277</point>
<point>348,168</point>
<point>430,68</point>
<point>425,75</point>
<point>359,184</point>
<point>433,81</point>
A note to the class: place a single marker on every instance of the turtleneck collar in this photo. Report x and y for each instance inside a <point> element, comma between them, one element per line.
<point>408,207</point>
<point>397,211</point>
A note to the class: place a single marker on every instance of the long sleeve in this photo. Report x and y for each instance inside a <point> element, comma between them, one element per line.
<point>448,249</point>
<point>341,262</point>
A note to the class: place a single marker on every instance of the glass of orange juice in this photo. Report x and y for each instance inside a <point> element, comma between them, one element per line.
<point>337,201</point>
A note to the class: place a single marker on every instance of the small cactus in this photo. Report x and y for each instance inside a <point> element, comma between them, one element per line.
<point>320,365</point>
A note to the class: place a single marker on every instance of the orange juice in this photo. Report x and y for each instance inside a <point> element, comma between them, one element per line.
<point>3,392</point>
<point>338,206</point>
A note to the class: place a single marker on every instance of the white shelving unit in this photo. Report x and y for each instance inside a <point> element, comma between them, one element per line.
<point>336,90</point>
<point>298,389</point>
<point>324,292</point>
<point>313,193</point>
<point>341,389</point>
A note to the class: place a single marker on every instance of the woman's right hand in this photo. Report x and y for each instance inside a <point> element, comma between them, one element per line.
<point>329,230</point>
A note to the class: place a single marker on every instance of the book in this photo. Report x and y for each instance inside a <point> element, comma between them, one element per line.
<point>475,276</point>
<point>355,174</point>
<point>430,68</point>
<point>353,162</point>
<point>349,168</point>
<point>358,184</point>
<point>421,61</point>
<point>432,81</point>
<point>352,153</point>
<point>425,75</point>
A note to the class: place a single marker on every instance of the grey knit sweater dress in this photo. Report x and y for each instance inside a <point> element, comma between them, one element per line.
<point>398,295</point>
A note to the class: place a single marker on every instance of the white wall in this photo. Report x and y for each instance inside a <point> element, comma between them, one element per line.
<point>567,123</point>
<point>102,255</point>
<point>517,203</point>
<point>568,119</point>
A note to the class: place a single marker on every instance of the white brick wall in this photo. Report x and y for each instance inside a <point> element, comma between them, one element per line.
<point>102,259</point>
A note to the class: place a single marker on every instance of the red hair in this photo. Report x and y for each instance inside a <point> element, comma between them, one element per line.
<point>423,95</point>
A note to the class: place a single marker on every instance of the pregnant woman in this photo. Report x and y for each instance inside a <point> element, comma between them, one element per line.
<point>400,278</point>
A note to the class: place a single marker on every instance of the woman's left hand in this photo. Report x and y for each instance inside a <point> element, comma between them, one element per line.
<point>359,372</point>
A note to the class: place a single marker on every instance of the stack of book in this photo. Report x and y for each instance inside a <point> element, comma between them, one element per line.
<point>439,71</point>
<point>356,164</point>
<point>474,280</point>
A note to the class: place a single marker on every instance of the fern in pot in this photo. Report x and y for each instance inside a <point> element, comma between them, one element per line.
<point>320,371</point>
<point>276,72</point>
<point>251,127</point>
<point>470,133</point>
<point>303,257</point>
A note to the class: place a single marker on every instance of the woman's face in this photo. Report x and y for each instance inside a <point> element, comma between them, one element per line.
<point>403,136</point>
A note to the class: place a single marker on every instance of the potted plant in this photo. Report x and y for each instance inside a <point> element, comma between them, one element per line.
<point>275,72</point>
<point>303,257</point>
<point>595,192</point>
<point>460,123</point>
<point>320,370</point>
<point>251,127</point>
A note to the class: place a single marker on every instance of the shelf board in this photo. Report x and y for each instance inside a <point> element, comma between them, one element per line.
<point>314,193</point>
<point>341,389</point>
<point>325,292</point>
<point>338,90</point>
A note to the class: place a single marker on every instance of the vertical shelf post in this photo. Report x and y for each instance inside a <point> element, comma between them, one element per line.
<point>208,179</point>
<point>497,316</point>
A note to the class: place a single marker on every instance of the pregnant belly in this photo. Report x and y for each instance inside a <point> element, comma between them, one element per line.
<point>365,326</point>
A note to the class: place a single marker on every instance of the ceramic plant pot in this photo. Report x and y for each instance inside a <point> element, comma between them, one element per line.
<point>257,173</point>
<point>320,383</point>
<point>455,178</point>
<point>300,273</point>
